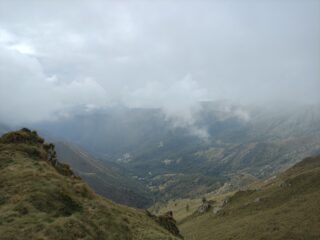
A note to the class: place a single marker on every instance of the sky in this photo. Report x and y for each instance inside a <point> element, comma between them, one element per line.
<point>57,56</point>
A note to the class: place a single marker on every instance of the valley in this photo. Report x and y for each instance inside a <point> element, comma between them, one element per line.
<point>159,120</point>
<point>165,161</point>
<point>40,195</point>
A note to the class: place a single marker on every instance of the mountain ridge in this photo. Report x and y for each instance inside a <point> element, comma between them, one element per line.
<point>41,198</point>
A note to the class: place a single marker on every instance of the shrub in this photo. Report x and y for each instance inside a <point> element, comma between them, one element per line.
<point>22,136</point>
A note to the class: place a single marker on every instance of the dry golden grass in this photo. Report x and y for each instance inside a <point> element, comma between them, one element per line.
<point>287,207</point>
<point>39,202</point>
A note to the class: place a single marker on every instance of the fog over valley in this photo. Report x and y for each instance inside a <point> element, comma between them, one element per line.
<point>157,120</point>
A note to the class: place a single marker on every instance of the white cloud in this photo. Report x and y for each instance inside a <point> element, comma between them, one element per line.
<point>179,99</point>
<point>5,36</point>
<point>27,94</point>
<point>23,48</point>
<point>137,53</point>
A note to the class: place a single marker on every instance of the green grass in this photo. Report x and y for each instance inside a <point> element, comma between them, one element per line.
<point>38,201</point>
<point>179,206</point>
<point>287,207</point>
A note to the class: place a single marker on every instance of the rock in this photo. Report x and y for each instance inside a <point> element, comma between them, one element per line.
<point>216,210</point>
<point>205,207</point>
<point>285,184</point>
<point>225,201</point>
<point>257,200</point>
<point>167,221</point>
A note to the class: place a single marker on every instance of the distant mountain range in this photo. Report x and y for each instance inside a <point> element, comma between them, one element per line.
<point>172,160</point>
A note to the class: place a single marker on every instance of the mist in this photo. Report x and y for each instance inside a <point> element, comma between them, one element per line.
<point>59,57</point>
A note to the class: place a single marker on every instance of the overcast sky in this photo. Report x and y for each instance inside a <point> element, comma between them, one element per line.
<point>58,55</point>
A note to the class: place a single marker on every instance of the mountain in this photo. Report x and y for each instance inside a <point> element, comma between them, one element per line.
<point>283,207</point>
<point>41,198</point>
<point>105,178</point>
<point>110,132</point>
<point>175,161</point>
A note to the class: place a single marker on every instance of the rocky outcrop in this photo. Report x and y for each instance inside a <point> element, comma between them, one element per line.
<point>168,222</point>
<point>205,207</point>
<point>216,210</point>
<point>225,201</point>
<point>284,184</point>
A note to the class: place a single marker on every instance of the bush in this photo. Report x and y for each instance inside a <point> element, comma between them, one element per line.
<point>55,203</point>
<point>63,169</point>
<point>22,136</point>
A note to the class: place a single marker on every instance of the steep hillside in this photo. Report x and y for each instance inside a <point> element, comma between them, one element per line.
<point>105,178</point>
<point>284,207</point>
<point>41,198</point>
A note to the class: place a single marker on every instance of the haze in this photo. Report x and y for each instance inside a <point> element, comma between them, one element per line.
<point>60,56</point>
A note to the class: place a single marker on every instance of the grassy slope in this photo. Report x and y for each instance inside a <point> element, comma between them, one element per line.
<point>38,202</point>
<point>285,208</point>
<point>104,179</point>
<point>179,206</point>
<point>184,207</point>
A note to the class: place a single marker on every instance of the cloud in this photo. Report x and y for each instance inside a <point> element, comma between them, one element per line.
<point>165,54</point>
<point>178,100</point>
<point>23,48</point>
<point>27,94</point>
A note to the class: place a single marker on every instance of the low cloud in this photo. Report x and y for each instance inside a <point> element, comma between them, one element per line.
<point>179,101</point>
<point>164,54</point>
<point>28,95</point>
